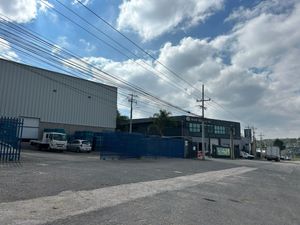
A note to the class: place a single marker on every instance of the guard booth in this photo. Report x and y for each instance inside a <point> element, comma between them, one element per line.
<point>10,138</point>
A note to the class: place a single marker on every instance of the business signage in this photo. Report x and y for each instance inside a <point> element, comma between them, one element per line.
<point>223,151</point>
<point>193,119</point>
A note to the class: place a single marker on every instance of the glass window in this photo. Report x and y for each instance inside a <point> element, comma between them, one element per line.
<point>219,130</point>
<point>194,127</point>
<point>210,129</point>
<point>59,137</point>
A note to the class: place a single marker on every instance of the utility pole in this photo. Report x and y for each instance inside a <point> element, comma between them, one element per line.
<point>249,139</point>
<point>254,142</point>
<point>231,144</point>
<point>261,135</point>
<point>131,100</point>
<point>203,108</point>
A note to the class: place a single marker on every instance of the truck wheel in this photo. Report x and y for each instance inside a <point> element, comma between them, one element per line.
<point>78,150</point>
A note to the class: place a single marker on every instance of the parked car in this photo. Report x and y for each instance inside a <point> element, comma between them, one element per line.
<point>285,157</point>
<point>245,155</point>
<point>80,146</point>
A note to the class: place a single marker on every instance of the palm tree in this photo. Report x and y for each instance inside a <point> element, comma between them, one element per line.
<point>161,120</point>
<point>120,121</point>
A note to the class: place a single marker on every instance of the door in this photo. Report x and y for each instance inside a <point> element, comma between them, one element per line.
<point>213,141</point>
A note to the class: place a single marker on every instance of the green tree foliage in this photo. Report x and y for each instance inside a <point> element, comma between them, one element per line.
<point>279,143</point>
<point>153,130</point>
<point>121,121</point>
<point>162,120</point>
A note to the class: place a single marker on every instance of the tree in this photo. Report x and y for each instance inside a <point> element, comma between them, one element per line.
<point>279,143</point>
<point>162,120</point>
<point>122,122</point>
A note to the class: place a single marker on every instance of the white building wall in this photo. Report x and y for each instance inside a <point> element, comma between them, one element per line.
<point>55,98</point>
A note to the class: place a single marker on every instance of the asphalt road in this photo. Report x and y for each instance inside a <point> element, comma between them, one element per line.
<point>71,188</point>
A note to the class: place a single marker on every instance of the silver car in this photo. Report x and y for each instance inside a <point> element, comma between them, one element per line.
<point>80,146</point>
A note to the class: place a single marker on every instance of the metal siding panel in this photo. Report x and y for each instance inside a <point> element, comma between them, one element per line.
<point>33,96</point>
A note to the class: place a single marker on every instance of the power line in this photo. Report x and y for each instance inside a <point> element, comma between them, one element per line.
<point>102,72</point>
<point>153,69</point>
<point>148,54</point>
<point>136,45</point>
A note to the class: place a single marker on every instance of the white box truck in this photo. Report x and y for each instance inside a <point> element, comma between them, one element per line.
<point>273,153</point>
<point>51,141</point>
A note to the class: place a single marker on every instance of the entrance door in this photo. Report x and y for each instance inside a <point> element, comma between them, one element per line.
<point>213,141</point>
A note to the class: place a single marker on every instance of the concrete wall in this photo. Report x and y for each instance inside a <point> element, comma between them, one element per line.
<point>55,98</point>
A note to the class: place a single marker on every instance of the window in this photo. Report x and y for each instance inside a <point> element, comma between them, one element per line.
<point>210,129</point>
<point>219,130</point>
<point>59,137</point>
<point>194,127</point>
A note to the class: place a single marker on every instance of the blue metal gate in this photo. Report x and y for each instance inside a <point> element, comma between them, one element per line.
<point>138,145</point>
<point>10,138</point>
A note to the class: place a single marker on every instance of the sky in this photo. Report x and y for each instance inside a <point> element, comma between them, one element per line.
<point>245,52</point>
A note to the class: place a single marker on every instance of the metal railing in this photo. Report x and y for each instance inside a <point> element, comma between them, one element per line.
<point>10,138</point>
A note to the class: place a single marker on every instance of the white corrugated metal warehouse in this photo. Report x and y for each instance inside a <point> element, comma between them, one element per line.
<point>47,99</point>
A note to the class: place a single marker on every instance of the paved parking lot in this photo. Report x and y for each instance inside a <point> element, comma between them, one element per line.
<point>71,188</point>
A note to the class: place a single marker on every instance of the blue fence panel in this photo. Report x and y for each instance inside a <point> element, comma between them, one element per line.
<point>10,138</point>
<point>138,145</point>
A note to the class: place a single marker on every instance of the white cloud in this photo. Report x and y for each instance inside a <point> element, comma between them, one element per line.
<point>264,46</point>
<point>44,6</point>
<point>62,42</point>
<point>253,71</point>
<point>6,51</point>
<point>23,11</point>
<point>85,2</point>
<point>88,47</point>
<point>191,58</point>
<point>153,18</point>
<point>268,7</point>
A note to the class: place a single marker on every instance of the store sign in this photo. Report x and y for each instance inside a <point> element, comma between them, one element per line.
<point>223,151</point>
<point>193,119</point>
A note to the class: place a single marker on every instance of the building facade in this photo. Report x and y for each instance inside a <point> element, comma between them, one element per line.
<point>47,99</point>
<point>217,132</point>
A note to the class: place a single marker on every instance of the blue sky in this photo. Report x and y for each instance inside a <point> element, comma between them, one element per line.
<point>246,52</point>
<point>56,27</point>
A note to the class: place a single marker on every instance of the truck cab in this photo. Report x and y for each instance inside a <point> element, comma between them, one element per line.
<point>55,140</point>
<point>52,141</point>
